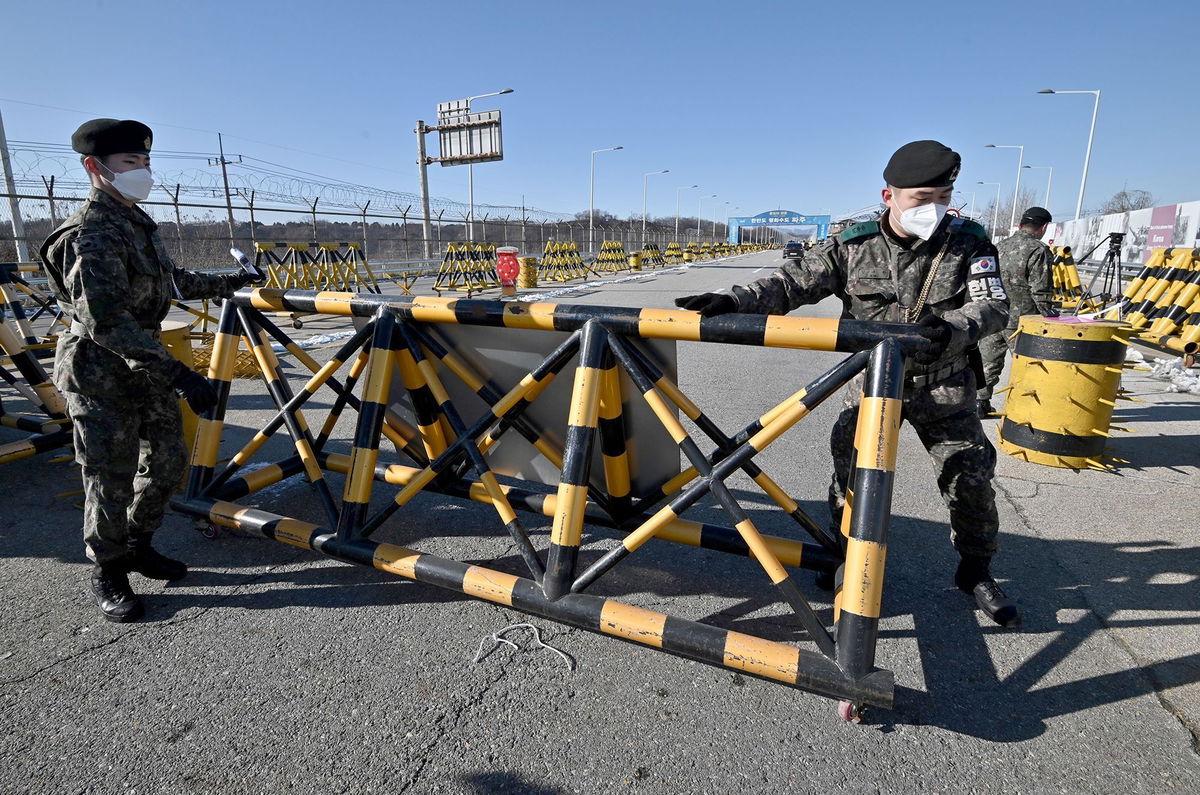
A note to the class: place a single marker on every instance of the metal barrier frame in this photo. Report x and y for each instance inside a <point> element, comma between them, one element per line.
<point>449,457</point>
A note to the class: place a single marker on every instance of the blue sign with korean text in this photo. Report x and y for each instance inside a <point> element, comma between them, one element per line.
<point>780,218</point>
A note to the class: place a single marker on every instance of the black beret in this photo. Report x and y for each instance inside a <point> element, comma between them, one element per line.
<point>922,164</point>
<point>1036,216</point>
<point>101,137</point>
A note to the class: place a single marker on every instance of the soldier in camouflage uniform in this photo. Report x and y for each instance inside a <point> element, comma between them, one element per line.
<point>113,278</point>
<point>1027,267</point>
<point>880,270</point>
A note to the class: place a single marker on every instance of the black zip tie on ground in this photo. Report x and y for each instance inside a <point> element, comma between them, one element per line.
<point>497,638</point>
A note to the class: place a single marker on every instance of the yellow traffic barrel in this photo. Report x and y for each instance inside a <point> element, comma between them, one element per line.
<point>1065,383</point>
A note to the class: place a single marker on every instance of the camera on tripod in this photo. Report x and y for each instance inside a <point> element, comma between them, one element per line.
<point>1114,240</point>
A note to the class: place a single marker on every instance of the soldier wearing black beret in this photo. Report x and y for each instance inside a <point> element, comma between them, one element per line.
<point>1027,267</point>
<point>114,280</point>
<point>915,264</point>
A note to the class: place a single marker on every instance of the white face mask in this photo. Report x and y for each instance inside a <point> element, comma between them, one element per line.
<point>923,221</point>
<point>134,185</point>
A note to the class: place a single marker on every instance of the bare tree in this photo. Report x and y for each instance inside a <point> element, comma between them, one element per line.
<point>1125,200</point>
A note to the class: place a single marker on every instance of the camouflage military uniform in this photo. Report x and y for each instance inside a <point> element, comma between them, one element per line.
<point>114,279</point>
<point>1026,265</point>
<point>879,276</point>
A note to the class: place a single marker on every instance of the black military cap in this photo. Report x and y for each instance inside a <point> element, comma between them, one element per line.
<point>1036,216</point>
<point>922,164</point>
<point>101,137</point>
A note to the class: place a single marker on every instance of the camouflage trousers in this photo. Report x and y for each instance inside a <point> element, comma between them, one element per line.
<point>993,348</point>
<point>132,455</point>
<point>964,460</point>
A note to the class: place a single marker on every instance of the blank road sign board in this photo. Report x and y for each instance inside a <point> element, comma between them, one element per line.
<point>468,137</point>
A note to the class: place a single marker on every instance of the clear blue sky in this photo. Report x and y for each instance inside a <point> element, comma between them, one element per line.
<point>767,104</point>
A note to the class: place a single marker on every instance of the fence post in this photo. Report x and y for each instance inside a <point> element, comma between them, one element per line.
<point>363,213</point>
<point>50,198</point>
<point>312,206</point>
<point>178,220</point>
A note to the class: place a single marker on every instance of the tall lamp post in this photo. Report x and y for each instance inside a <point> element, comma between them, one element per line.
<point>1087,158</point>
<point>1049,178</point>
<point>678,193</point>
<point>699,214</point>
<point>715,216</point>
<point>996,208</point>
<point>1016,190</point>
<point>645,185</point>
<point>471,167</point>
<point>592,194</point>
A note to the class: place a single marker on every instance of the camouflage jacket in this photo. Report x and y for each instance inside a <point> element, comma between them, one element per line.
<point>878,276</point>
<point>1026,264</point>
<point>113,277</point>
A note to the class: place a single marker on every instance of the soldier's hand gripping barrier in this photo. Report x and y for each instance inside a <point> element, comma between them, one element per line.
<point>447,452</point>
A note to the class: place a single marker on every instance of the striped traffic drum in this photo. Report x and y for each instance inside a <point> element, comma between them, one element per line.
<point>1065,381</point>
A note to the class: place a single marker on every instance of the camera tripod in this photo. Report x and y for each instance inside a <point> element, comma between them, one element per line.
<point>1109,273</point>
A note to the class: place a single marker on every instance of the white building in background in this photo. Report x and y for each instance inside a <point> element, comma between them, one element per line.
<point>1175,225</point>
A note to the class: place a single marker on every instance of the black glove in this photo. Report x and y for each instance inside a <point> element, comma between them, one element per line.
<point>1051,311</point>
<point>194,388</point>
<point>237,281</point>
<point>937,333</point>
<point>708,304</point>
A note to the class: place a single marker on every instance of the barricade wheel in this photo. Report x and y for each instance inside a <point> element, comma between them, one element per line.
<point>849,712</point>
<point>209,530</point>
<point>297,323</point>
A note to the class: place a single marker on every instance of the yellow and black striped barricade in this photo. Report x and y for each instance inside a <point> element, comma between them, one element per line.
<point>23,378</point>
<point>1065,383</point>
<point>611,257</point>
<point>446,451</point>
<point>652,257</point>
<point>673,254</point>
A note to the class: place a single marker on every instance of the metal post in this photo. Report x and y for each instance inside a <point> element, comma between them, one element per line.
<point>1087,158</point>
<point>14,204</point>
<point>423,163</point>
<point>312,206</point>
<point>363,213</point>
<point>225,179</point>
<point>1012,221</point>
<point>50,199</point>
<point>178,220</point>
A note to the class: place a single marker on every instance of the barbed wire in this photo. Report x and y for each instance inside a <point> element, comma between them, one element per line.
<point>34,163</point>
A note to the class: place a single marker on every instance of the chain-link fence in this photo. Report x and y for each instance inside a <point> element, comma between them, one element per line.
<point>200,233</point>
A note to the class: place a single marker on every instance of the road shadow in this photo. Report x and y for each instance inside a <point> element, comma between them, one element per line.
<point>1065,606</point>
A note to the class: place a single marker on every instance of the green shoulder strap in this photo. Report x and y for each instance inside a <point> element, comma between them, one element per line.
<point>865,229</point>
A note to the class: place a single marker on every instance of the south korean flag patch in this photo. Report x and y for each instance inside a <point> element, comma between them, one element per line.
<point>983,281</point>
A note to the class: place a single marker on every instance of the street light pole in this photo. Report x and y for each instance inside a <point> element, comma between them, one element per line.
<point>1087,158</point>
<point>678,192</point>
<point>996,207</point>
<point>592,194</point>
<point>1049,178</point>
<point>1012,222</point>
<point>645,182</point>
<point>699,214</point>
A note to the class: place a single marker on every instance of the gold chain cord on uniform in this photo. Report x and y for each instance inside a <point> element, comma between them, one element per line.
<point>911,314</point>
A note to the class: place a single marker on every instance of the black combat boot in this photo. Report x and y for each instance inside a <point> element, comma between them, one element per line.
<point>112,594</point>
<point>146,561</point>
<point>985,409</point>
<point>974,577</point>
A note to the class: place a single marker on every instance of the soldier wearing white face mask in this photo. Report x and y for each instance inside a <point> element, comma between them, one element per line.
<point>915,264</point>
<point>114,280</point>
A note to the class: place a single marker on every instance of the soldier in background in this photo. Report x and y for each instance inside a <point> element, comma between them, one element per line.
<point>113,278</point>
<point>916,265</point>
<point>1027,267</point>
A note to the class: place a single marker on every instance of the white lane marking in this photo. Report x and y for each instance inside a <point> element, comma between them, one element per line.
<point>763,268</point>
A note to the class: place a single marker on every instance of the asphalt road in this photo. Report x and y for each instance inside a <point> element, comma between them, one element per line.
<point>270,669</point>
